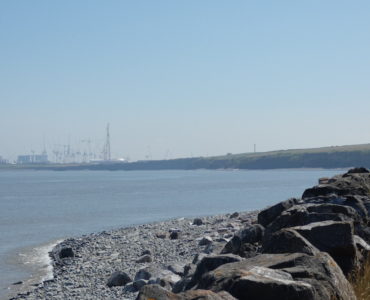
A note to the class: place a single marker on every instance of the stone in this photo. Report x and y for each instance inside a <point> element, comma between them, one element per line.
<point>209,263</point>
<point>174,235</point>
<point>138,284</point>
<point>146,252</point>
<point>357,170</point>
<point>342,185</point>
<point>198,221</point>
<point>66,252</point>
<point>234,215</point>
<point>205,241</point>
<point>144,259</point>
<point>161,235</point>
<point>335,238</point>
<point>177,269</point>
<point>303,214</point>
<point>268,215</point>
<point>315,277</point>
<point>250,235</point>
<point>144,273</point>
<point>159,293</point>
<point>118,279</point>
<point>288,240</point>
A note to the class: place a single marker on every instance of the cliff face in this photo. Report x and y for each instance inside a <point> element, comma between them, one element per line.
<point>299,249</point>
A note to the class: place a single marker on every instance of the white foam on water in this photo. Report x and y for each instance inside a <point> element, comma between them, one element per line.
<point>39,260</point>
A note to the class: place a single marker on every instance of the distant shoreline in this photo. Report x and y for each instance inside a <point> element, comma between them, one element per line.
<point>325,158</point>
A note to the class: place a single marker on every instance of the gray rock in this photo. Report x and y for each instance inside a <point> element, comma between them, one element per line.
<point>205,241</point>
<point>176,269</point>
<point>144,259</point>
<point>335,238</point>
<point>159,293</point>
<point>66,252</point>
<point>138,284</point>
<point>118,279</point>
<point>268,215</point>
<point>312,277</point>
<point>144,273</point>
<point>250,235</point>
<point>174,235</point>
<point>288,241</point>
<point>209,263</point>
<point>234,215</point>
<point>146,252</point>
<point>198,221</point>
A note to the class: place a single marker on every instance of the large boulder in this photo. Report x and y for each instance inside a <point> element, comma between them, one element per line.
<point>288,241</point>
<point>268,215</point>
<point>157,292</point>
<point>209,263</point>
<point>250,235</point>
<point>304,214</point>
<point>342,185</point>
<point>335,238</point>
<point>315,277</point>
<point>118,279</point>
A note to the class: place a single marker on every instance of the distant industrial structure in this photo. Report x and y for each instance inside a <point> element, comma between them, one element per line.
<point>33,159</point>
<point>106,149</point>
<point>84,151</point>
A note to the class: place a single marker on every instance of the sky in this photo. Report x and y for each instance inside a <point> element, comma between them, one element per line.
<point>183,78</point>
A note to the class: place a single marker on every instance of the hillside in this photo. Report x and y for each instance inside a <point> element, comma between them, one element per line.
<point>325,157</point>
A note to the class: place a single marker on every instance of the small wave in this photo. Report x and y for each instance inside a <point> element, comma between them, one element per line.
<point>38,259</point>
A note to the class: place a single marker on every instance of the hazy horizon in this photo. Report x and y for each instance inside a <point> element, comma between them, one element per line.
<point>182,79</point>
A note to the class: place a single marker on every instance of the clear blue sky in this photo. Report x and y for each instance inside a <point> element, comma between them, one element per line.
<point>184,77</point>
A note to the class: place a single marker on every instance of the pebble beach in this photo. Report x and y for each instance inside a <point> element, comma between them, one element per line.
<point>164,249</point>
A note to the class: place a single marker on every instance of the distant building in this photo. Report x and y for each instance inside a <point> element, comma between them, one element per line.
<point>3,161</point>
<point>33,159</point>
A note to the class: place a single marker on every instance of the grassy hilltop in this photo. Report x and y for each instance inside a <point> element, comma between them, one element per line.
<point>325,157</point>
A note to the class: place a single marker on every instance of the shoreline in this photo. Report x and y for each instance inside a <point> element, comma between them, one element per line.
<point>118,249</point>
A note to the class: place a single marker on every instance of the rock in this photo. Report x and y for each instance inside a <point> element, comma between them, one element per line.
<point>177,269</point>
<point>198,257</point>
<point>268,215</point>
<point>161,235</point>
<point>144,273</point>
<point>252,234</point>
<point>335,238</point>
<point>209,263</point>
<point>312,277</point>
<point>138,284</point>
<point>174,235</point>
<point>234,215</point>
<point>146,252</point>
<point>17,283</point>
<point>288,241</point>
<point>118,279</point>
<point>129,288</point>
<point>361,244</point>
<point>303,214</point>
<point>197,221</point>
<point>214,247</point>
<point>205,241</point>
<point>155,291</point>
<point>159,293</point>
<point>66,252</point>
<point>169,280</point>
<point>342,185</point>
<point>144,259</point>
<point>357,170</point>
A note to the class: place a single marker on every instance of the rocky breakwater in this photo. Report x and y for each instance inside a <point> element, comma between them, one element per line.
<point>302,249</point>
<point>299,249</point>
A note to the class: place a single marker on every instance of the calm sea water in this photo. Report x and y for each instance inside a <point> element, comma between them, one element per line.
<point>38,208</point>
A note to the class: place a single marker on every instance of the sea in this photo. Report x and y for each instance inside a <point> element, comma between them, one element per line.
<point>41,208</point>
